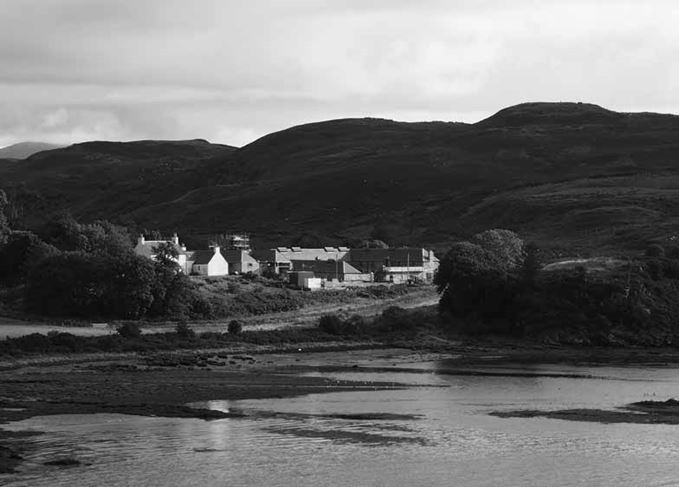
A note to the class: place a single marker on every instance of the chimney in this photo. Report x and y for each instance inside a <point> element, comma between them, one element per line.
<point>175,239</point>
<point>141,240</point>
<point>216,248</point>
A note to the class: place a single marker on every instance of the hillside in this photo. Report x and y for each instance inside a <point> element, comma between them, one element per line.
<point>22,150</point>
<point>106,179</point>
<point>571,176</point>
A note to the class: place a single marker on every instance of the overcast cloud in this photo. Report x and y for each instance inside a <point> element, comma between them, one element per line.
<point>231,71</point>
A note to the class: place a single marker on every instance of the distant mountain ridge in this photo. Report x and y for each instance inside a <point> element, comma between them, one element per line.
<point>22,150</point>
<point>572,176</point>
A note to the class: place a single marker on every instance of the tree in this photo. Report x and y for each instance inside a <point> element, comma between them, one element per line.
<point>471,281</point>
<point>21,252</point>
<point>166,255</point>
<point>64,233</point>
<point>128,281</point>
<point>172,289</point>
<point>104,237</point>
<point>101,237</point>
<point>89,285</point>
<point>4,227</point>
<point>66,284</point>
<point>505,245</point>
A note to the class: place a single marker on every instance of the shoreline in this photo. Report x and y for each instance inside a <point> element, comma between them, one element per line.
<point>164,383</point>
<point>161,383</point>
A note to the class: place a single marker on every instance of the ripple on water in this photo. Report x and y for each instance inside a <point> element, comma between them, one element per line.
<point>419,436</point>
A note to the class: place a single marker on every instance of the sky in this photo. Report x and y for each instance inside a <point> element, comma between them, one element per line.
<point>231,71</point>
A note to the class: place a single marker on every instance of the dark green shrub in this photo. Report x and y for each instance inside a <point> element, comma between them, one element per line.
<point>334,325</point>
<point>235,327</point>
<point>331,324</point>
<point>395,318</point>
<point>66,342</point>
<point>35,342</point>
<point>183,330</point>
<point>354,325</point>
<point>201,307</point>
<point>129,330</point>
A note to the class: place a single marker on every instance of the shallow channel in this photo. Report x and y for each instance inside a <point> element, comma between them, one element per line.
<point>436,432</point>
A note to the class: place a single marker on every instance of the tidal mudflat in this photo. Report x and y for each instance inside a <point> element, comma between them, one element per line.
<point>359,416</point>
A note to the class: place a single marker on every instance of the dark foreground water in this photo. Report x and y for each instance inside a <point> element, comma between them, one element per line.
<point>435,433</point>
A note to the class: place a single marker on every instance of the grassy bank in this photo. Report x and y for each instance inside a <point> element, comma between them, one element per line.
<point>229,297</point>
<point>394,324</point>
<point>256,295</point>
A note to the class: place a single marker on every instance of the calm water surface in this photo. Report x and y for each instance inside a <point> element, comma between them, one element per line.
<point>437,432</point>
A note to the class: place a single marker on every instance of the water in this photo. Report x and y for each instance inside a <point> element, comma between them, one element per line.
<point>435,433</point>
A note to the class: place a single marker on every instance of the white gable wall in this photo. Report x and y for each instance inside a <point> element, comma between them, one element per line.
<point>218,266</point>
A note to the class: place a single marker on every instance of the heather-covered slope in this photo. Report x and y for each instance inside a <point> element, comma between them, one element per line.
<point>565,174</point>
<point>106,179</point>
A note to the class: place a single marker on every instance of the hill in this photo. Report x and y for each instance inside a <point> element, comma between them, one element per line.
<point>574,177</point>
<point>22,150</point>
<point>105,179</point>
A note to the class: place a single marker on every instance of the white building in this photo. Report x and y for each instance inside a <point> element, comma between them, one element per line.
<point>208,262</point>
<point>202,262</point>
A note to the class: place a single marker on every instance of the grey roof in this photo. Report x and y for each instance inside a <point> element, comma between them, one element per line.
<point>413,255</point>
<point>270,255</point>
<point>325,266</point>
<point>303,253</point>
<point>238,256</point>
<point>202,257</point>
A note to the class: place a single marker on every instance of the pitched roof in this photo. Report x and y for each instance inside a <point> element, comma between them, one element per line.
<point>413,255</point>
<point>201,257</point>
<point>347,268</point>
<point>325,266</point>
<point>238,256</point>
<point>300,253</point>
<point>270,255</point>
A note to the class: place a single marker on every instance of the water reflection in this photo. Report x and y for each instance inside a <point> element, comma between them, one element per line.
<point>424,435</point>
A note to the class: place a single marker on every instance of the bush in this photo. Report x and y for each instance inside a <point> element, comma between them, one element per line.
<point>395,318</point>
<point>201,307</point>
<point>184,331</point>
<point>334,325</point>
<point>331,324</point>
<point>356,324</point>
<point>66,341</point>
<point>129,330</point>
<point>35,342</point>
<point>235,327</point>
